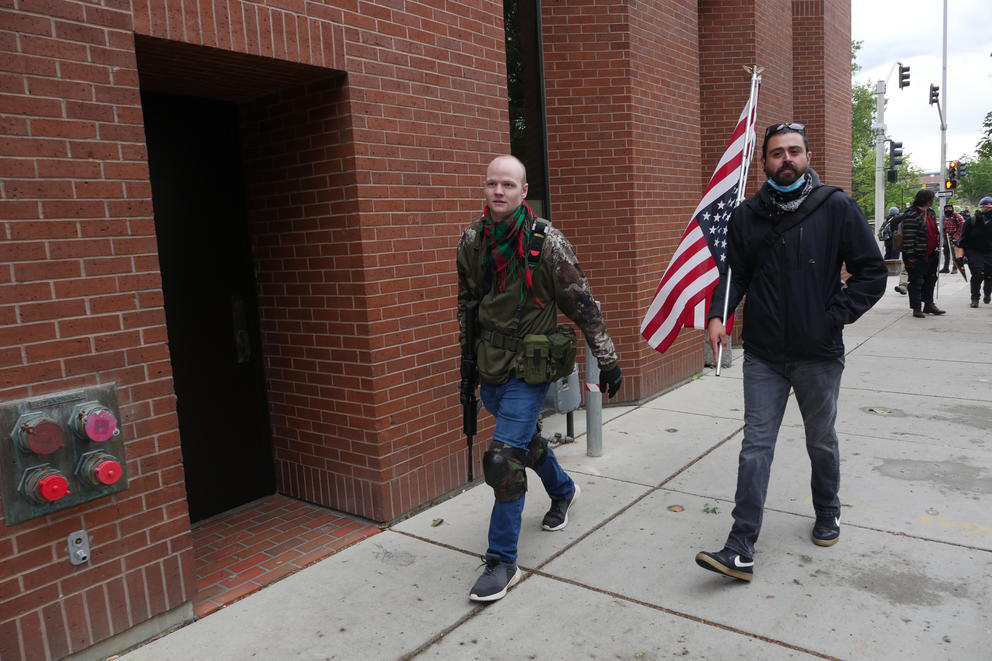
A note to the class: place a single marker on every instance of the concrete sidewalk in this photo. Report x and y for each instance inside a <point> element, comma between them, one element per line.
<point>910,577</point>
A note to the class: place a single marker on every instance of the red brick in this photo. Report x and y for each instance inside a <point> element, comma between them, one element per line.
<point>77,629</point>
<point>32,636</point>
<point>10,647</point>
<point>47,270</point>
<point>55,631</point>
<point>99,617</point>
<point>58,349</point>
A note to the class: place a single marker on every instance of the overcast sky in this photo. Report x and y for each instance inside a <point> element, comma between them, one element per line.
<point>910,31</point>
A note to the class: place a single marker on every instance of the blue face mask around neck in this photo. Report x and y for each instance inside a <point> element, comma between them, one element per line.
<point>788,189</point>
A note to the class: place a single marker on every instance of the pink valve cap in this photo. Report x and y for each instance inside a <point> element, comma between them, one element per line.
<point>100,426</point>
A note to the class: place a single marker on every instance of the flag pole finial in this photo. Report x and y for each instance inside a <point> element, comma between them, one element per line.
<point>754,70</point>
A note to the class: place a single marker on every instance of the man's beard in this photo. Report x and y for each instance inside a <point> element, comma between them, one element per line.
<point>785,175</point>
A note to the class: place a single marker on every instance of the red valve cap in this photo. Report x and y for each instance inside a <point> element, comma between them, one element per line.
<point>108,471</point>
<point>44,437</point>
<point>53,487</point>
<point>100,425</point>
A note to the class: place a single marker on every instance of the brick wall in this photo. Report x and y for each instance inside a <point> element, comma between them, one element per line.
<point>81,304</point>
<point>80,292</point>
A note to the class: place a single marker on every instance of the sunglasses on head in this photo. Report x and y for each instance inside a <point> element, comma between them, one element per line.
<point>791,126</point>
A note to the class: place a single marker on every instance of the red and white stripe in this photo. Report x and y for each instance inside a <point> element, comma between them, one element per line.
<point>683,294</point>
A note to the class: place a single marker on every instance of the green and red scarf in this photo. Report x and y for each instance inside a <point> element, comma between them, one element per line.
<point>506,243</point>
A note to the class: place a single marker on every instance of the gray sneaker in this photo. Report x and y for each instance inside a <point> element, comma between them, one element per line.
<point>901,289</point>
<point>496,579</point>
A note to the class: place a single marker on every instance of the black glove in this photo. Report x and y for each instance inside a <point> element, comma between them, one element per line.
<point>611,380</point>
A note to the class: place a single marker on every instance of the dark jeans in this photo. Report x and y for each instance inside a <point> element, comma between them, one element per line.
<point>516,406</point>
<point>922,278</point>
<point>980,265</point>
<point>766,391</point>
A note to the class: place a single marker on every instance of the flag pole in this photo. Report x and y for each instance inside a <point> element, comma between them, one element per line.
<point>747,154</point>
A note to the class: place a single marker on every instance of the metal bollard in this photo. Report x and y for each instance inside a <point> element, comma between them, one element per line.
<point>594,407</point>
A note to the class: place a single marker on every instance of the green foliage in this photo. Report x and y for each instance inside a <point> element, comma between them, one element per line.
<point>984,147</point>
<point>977,184</point>
<point>863,152</point>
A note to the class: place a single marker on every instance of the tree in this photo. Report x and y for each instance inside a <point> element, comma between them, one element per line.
<point>863,152</point>
<point>977,184</point>
<point>984,147</point>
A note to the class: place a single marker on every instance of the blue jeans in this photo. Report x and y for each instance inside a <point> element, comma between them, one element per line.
<point>516,406</point>
<point>766,391</point>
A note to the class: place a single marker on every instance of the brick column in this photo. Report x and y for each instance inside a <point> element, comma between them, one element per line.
<point>821,56</point>
<point>623,123</point>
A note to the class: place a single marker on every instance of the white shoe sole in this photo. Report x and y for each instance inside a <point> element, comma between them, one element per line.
<point>502,593</point>
<point>571,505</point>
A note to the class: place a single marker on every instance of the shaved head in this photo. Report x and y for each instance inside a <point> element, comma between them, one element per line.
<point>508,160</point>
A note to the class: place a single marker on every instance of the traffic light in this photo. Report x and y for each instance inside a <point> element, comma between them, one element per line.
<point>934,94</point>
<point>950,184</point>
<point>892,176</point>
<point>952,176</point>
<point>962,170</point>
<point>903,76</point>
<point>895,154</point>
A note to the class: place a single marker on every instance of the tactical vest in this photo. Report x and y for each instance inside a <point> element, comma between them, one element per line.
<point>503,318</point>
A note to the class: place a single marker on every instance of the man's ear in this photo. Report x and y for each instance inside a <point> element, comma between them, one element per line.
<point>524,189</point>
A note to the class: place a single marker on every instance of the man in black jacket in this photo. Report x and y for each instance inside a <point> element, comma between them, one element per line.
<point>795,311</point>
<point>976,239</point>
<point>920,240</point>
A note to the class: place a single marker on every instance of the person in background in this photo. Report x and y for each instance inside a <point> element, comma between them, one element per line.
<point>976,239</point>
<point>885,234</point>
<point>920,238</point>
<point>952,232</point>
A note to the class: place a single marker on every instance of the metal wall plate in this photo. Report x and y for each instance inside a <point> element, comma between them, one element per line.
<point>62,455</point>
<point>79,547</point>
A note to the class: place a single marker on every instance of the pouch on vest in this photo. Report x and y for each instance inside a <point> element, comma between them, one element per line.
<point>532,362</point>
<point>562,348</point>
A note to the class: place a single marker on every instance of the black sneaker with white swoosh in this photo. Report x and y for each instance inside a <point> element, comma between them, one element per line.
<point>727,562</point>
<point>826,530</point>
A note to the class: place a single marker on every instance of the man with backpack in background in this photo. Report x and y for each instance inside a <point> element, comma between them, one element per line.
<point>885,234</point>
<point>976,240</point>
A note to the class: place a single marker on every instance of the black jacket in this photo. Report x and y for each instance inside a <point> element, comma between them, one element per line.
<point>796,306</point>
<point>977,233</point>
<point>914,232</point>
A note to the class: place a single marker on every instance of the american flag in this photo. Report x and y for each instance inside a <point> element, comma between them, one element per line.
<point>685,289</point>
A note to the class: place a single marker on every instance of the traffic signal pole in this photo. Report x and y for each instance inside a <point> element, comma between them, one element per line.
<point>879,128</point>
<point>943,151</point>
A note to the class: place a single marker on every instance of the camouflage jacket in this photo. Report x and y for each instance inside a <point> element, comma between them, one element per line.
<point>559,283</point>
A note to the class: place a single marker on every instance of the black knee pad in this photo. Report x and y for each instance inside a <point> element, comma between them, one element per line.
<point>537,451</point>
<point>504,472</point>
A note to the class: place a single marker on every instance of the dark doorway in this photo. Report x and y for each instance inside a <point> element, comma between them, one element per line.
<point>204,245</point>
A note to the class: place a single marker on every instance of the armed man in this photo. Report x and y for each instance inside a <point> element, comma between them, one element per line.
<point>515,271</point>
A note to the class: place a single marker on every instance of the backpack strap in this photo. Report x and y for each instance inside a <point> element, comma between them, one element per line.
<point>817,197</point>
<point>538,233</point>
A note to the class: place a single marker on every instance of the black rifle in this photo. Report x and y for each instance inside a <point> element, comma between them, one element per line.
<point>470,379</point>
